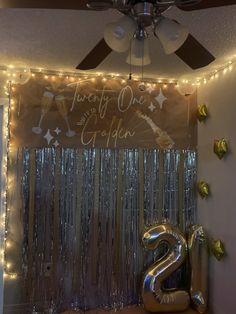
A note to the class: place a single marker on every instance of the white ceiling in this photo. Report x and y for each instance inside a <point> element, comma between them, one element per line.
<point>56,39</point>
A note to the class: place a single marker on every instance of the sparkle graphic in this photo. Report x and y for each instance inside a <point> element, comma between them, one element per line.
<point>56,143</point>
<point>48,136</point>
<point>57,131</point>
<point>152,107</point>
<point>161,98</point>
<point>150,88</point>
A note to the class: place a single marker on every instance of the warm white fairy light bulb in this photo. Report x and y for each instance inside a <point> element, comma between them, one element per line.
<point>13,276</point>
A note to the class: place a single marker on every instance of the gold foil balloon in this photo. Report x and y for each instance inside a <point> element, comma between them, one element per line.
<point>203,189</point>
<point>220,147</point>
<point>202,113</point>
<point>155,298</point>
<point>218,249</point>
<point>198,258</point>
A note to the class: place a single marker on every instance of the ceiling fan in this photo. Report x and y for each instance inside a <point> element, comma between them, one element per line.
<point>138,15</point>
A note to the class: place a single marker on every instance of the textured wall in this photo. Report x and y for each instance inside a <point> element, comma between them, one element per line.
<point>218,213</point>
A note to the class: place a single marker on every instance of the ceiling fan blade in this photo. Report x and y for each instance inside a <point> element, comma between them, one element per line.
<point>49,4</point>
<point>95,56</point>
<point>205,4</point>
<point>194,54</point>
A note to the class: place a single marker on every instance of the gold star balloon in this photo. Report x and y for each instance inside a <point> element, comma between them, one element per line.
<point>220,147</point>
<point>218,249</point>
<point>202,113</point>
<point>203,189</point>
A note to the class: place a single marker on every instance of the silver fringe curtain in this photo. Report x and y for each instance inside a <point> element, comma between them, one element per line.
<point>83,214</point>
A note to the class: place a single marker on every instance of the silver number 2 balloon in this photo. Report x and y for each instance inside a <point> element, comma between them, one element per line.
<point>156,299</point>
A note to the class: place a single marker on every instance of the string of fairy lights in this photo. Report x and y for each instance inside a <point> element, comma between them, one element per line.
<point>228,67</point>
<point>6,183</point>
<point>11,76</point>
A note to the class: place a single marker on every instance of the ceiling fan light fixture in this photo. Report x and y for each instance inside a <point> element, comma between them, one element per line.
<point>118,35</point>
<point>171,34</point>
<point>139,52</point>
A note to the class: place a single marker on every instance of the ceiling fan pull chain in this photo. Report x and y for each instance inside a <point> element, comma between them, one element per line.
<point>142,59</point>
<point>130,65</point>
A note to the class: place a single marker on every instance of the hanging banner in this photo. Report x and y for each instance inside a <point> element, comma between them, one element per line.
<point>54,111</point>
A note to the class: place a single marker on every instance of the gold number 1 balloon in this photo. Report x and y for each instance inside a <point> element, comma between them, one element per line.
<point>155,298</point>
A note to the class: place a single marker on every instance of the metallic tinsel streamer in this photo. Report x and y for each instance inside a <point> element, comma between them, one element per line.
<point>90,207</point>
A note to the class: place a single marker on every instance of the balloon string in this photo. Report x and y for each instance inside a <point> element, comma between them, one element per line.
<point>142,58</point>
